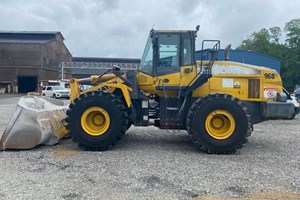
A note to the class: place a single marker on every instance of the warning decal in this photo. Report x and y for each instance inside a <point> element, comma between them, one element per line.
<point>270,92</point>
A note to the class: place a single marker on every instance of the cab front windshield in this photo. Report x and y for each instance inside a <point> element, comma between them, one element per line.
<point>146,65</point>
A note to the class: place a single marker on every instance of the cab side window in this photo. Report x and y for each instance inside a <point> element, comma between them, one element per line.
<point>187,48</point>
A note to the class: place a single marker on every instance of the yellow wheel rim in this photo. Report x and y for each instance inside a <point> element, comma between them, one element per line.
<point>95,121</point>
<point>220,124</point>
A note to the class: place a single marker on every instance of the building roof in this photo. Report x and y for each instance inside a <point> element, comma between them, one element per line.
<point>108,60</point>
<point>88,71</point>
<point>28,37</point>
<point>24,41</point>
<point>92,71</point>
<point>244,56</point>
<point>241,52</point>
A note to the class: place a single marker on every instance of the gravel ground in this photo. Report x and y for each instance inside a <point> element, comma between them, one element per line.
<point>154,164</point>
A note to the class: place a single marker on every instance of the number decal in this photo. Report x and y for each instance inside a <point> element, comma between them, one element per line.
<point>269,75</point>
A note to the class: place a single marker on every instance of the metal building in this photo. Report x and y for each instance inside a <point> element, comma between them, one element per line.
<point>248,57</point>
<point>30,58</point>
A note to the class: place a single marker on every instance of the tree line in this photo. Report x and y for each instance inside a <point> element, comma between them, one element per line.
<point>282,43</point>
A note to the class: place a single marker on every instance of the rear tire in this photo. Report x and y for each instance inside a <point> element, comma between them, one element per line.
<point>218,124</point>
<point>87,132</point>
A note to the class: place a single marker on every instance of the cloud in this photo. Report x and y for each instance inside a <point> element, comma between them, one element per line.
<point>119,28</point>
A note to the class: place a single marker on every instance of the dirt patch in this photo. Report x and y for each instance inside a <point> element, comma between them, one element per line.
<point>255,196</point>
<point>60,152</point>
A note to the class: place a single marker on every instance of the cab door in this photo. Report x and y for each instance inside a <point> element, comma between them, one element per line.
<point>168,59</point>
<point>168,62</point>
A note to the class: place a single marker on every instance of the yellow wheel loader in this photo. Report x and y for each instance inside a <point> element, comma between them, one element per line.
<point>217,102</point>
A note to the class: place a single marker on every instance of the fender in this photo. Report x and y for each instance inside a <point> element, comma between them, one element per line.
<point>125,90</point>
<point>108,86</point>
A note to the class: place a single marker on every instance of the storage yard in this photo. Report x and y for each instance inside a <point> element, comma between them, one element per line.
<point>155,164</point>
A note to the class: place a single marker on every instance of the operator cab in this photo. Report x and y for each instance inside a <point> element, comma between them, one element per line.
<point>167,51</point>
<point>167,68</point>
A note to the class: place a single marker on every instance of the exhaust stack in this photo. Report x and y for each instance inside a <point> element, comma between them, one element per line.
<point>227,49</point>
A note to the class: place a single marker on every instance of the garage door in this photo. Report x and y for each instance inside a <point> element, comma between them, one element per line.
<point>27,83</point>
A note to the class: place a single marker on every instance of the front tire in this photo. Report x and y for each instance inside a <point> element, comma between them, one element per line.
<point>97,120</point>
<point>218,124</point>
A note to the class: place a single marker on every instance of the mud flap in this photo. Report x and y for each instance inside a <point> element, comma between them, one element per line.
<point>37,120</point>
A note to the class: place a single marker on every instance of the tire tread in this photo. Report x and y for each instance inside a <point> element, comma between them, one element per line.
<point>119,104</point>
<point>202,100</point>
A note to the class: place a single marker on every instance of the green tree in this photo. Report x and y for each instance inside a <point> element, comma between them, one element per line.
<point>275,33</point>
<point>257,41</point>
<point>291,61</point>
<point>292,29</point>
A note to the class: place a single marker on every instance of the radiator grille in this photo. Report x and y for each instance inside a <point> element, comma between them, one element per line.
<point>253,88</point>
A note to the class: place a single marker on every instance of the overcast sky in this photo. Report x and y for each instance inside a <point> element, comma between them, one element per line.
<point>119,28</point>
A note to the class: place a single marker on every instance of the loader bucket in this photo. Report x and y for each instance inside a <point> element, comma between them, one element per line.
<point>37,120</point>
